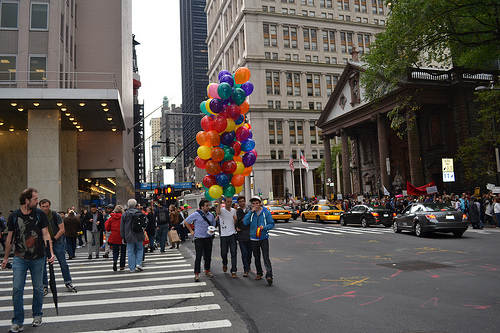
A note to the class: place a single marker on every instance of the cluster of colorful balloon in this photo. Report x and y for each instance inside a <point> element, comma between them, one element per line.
<point>226,149</point>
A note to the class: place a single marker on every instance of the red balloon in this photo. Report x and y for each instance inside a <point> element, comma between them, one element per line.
<point>217,154</point>
<point>254,152</point>
<point>209,181</point>
<point>207,123</point>
<point>199,162</point>
<point>213,138</point>
<point>237,148</point>
<point>220,124</point>
<point>229,167</point>
<point>237,180</point>
<point>212,167</point>
<point>233,111</point>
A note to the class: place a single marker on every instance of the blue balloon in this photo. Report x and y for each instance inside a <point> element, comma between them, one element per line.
<point>240,119</point>
<point>247,144</point>
<point>222,179</point>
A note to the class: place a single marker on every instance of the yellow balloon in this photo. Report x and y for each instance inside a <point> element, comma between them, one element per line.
<point>204,152</point>
<point>240,167</point>
<point>238,189</point>
<point>230,125</point>
<point>207,106</point>
<point>215,191</point>
<point>238,126</point>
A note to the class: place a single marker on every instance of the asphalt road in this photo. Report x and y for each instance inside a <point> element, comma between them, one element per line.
<point>350,279</point>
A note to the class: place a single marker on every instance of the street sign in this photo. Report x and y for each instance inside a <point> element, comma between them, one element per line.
<point>166,159</point>
<point>448,177</point>
<point>447,164</point>
<point>160,167</point>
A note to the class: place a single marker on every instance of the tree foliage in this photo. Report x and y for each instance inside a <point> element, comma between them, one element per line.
<point>422,33</point>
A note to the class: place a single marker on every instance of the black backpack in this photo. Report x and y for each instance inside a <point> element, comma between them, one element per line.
<point>162,216</point>
<point>139,221</point>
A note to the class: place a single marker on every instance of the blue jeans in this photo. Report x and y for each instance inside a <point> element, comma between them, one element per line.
<point>59,251</point>
<point>134,254</point>
<point>263,245</point>
<point>228,243</point>
<point>246,254</point>
<point>20,268</point>
<point>162,235</point>
<point>71,245</point>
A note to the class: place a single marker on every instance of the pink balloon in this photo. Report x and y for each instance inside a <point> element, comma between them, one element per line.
<point>254,152</point>
<point>242,133</point>
<point>212,90</point>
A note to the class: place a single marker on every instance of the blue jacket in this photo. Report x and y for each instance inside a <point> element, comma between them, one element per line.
<point>264,218</point>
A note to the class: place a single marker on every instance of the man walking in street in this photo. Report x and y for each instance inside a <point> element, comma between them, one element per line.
<point>28,230</point>
<point>202,219</point>
<point>135,249</point>
<point>260,221</point>
<point>227,222</point>
<point>243,235</point>
<point>94,223</point>
<point>56,231</point>
<point>162,228</point>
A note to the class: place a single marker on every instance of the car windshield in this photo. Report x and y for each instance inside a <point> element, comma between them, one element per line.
<point>437,207</point>
<point>276,208</point>
<point>329,208</point>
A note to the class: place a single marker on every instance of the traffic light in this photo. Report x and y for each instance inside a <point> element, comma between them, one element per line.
<point>168,190</point>
<point>157,191</point>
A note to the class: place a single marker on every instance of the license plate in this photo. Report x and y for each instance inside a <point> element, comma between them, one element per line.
<point>281,213</point>
<point>450,217</point>
<point>386,215</point>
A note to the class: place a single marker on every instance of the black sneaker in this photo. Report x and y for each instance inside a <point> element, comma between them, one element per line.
<point>71,287</point>
<point>90,256</point>
<point>114,266</point>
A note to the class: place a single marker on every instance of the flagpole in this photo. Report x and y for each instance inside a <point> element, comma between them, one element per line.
<point>300,174</point>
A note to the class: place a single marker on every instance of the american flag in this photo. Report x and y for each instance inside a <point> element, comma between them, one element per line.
<point>304,162</point>
<point>290,163</point>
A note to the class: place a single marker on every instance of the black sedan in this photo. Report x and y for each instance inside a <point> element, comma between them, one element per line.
<point>367,215</point>
<point>422,218</point>
<point>295,212</point>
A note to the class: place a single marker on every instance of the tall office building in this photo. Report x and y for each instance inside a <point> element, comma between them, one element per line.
<point>173,135</point>
<point>156,175</point>
<point>194,68</point>
<point>66,100</point>
<point>139,149</point>
<point>296,51</point>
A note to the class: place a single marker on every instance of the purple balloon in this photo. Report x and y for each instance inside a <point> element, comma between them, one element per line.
<point>248,159</point>
<point>216,105</point>
<point>227,79</point>
<point>254,152</point>
<point>247,87</point>
<point>223,72</point>
<point>250,135</point>
<point>227,138</point>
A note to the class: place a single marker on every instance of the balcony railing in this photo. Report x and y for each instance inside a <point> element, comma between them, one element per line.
<point>57,80</point>
<point>448,75</point>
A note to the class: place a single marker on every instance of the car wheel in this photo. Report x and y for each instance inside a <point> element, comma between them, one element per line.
<point>342,221</point>
<point>395,227</point>
<point>303,218</point>
<point>458,233</point>
<point>418,230</point>
<point>318,219</point>
<point>364,223</point>
<point>287,220</point>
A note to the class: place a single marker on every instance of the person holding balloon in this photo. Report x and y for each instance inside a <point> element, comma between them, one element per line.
<point>227,222</point>
<point>260,221</point>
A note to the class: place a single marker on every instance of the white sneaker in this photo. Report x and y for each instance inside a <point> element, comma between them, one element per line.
<point>37,321</point>
<point>78,247</point>
<point>139,268</point>
<point>16,328</point>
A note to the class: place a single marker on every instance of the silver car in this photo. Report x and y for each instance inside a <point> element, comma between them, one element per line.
<point>423,218</point>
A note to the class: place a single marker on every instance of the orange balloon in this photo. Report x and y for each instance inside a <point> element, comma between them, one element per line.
<point>244,107</point>
<point>217,154</point>
<point>247,171</point>
<point>237,180</point>
<point>238,159</point>
<point>213,138</point>
<point>212,168</point>
<point>241,75</point>
<point>201,137</point>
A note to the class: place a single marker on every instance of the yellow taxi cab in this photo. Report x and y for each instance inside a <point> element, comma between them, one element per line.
<point>279,213</point>
<point>322,213</point>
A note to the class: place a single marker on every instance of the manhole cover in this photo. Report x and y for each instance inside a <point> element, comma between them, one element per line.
<point>415,265</point>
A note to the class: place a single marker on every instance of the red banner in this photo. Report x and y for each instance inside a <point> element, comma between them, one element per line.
<point>422,190</point>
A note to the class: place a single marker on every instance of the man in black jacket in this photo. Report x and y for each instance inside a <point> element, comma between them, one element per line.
<point>94,222</point>
<point>243,235</point>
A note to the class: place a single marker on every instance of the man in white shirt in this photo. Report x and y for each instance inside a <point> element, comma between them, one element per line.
<point>227,220</point>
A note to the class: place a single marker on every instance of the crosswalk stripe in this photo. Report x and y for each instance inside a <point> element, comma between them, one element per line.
<point>174,327</point>
<point>305,232</point>
<point>343,230</point>
<point>136,299</point>
<point>108,315</point>
<point>318,229</point>
<point>113,290</point>
<point>283,232</point>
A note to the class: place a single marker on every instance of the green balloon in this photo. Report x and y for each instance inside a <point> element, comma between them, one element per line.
<point>239,96</point>
<point>228,190</point>
<point>208,197</point>
<point>228,153</point>
<point>225,90</point>
<point>203,108</point>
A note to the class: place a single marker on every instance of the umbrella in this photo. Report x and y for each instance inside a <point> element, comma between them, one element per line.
<point>52,280</point>
<point>399,195</point>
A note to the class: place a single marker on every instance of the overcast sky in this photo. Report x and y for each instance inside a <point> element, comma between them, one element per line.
<point>156,25</point>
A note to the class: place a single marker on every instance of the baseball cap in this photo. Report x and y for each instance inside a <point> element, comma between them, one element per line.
<point>110,206</point>
<point>254,198</point>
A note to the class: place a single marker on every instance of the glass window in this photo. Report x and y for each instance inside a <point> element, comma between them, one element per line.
<point>298,105</point>
<point>38,66</point>
<point>290,104</point>
<point>280,154</point>
<point>314,154</point>
<point>273,154</point>
<point>8,14</point>
<point>7,68</point>
<point>39,16</point>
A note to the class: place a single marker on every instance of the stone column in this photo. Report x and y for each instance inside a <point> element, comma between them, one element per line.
<point>44,155</point>
<point>416,173</point>
<point>328,164</point>
<point>309,183</point>
<point>383,150</point>
<point>346,180</point>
